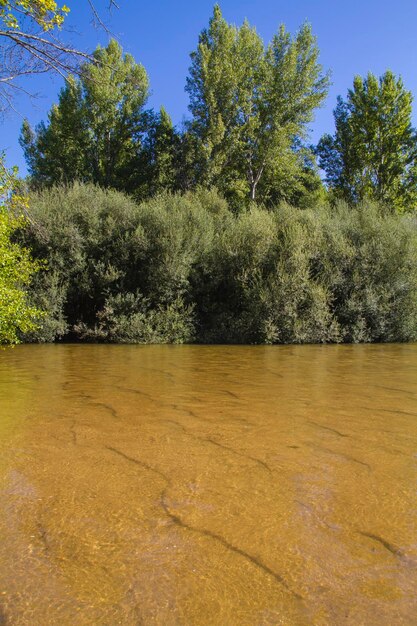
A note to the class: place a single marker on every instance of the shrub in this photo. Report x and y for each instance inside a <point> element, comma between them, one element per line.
<point>128,318</point>
<point>117,271</point>
<point>186,268</point>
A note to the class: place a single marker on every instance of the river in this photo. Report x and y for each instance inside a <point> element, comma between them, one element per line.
<point>208,485</point>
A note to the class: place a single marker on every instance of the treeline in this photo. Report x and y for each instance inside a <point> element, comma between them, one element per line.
<point>247,137</point>
<point>223,230</point>
<point>183,268</point>
<point>250,106</point>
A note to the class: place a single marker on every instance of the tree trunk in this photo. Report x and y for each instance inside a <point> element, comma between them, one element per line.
<point>254,180</point>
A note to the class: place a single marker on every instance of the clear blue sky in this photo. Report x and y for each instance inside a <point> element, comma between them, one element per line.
<point>354,37</point>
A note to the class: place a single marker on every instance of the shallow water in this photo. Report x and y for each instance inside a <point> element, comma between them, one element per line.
<point>186,485</point>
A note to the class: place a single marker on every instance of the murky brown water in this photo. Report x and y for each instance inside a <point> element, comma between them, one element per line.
<point>208,485</point>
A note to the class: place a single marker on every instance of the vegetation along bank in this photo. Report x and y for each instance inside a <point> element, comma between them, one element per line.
<point>224,230</point>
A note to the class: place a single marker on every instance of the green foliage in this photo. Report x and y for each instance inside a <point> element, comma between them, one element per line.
<point>374,150</point>
<point>16,271</point>
<point>259,288</point>
<point>80,230</point>
<point>370,264</point>
<point>250,106</point>
<point>186,268</point>
<point>108,255</point>
<point>16,265</point>
<point>48,293</point>
<point>129,318</point>
<point>312,276</point>
<point>58,151</point>
<point>158,158</point>
<point>94,132</point>
<point>176,260</point>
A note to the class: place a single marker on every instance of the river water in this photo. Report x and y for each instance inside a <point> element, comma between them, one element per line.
<point>208,485</point>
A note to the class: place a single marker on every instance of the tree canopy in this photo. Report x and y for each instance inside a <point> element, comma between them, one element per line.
<point>251,106</point>
<point>373,152</point>
<point>94,132</point>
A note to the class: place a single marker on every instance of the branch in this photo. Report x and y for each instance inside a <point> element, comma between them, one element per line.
<point>97,17</point>
<point>30,53</point>
<point>19,36</point>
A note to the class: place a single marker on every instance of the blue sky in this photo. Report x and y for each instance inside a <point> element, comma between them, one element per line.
<point>354,37</point>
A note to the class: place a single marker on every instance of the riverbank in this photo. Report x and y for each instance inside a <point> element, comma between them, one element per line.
<point>187,269</point>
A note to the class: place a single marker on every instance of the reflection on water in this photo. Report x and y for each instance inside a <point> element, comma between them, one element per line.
<point>186,485</point>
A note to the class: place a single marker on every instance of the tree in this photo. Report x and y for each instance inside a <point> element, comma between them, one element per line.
<point>251,105</point>
<point>373,152</point>
<point>94,132</point>
<point>159,156</point>
<point>57,152</point>
<point>16,265</point>
<point>30,43</point>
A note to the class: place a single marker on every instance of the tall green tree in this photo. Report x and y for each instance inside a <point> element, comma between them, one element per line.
<point>251,105</point>
<point>373,152</point>
<point>58,152</point>
<point>95,131</point>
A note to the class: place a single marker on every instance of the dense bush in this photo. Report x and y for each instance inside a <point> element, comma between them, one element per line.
<point>128,318</point>
<point>185,268</point>
<point>118,271</point>
<point>17,268</point>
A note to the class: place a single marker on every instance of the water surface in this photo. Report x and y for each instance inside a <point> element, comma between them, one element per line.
<point>198,486</point>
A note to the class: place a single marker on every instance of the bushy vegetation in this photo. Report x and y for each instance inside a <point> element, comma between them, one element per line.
<point>182,268</point>
<point>16,271</point>
<point>17,267</point>
<point>139,246</point>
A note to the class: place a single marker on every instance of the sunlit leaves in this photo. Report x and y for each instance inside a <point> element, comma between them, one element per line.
<point>94,132</point>
<point>16,264</point>
<point>251,104</point>
<point>374,150</point>
<point>45,13</point>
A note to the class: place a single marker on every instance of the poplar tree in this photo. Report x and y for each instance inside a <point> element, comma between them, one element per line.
<point>57,152</point>
<point>373,152</point>
<point>95,131</point>
<point>251,104</point>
